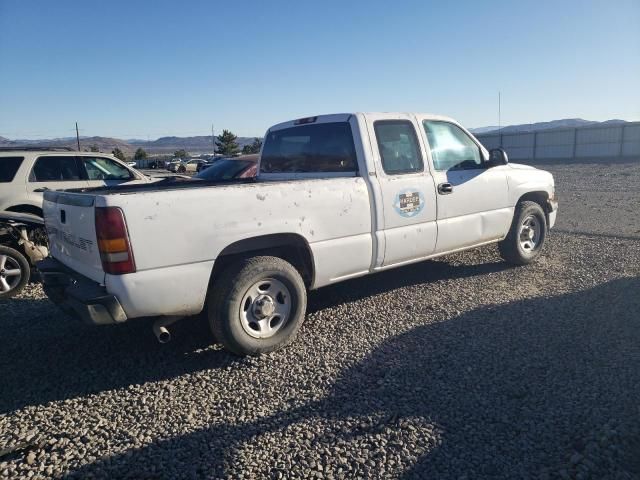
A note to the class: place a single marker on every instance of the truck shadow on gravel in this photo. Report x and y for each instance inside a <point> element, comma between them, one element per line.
<point>499,392</point>
<point>416,274</point>
<point>46,356</point>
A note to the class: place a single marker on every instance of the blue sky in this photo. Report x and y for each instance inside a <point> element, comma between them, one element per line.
<point>135,69</point>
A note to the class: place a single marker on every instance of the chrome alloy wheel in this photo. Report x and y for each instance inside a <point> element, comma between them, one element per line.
<point>529,236</point>
<point>10,273</point>
<point>265,308</point>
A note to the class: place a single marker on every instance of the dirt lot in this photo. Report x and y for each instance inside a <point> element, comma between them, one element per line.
<point>457,368</point>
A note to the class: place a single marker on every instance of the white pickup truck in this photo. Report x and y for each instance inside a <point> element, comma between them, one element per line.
<point>336,197</point>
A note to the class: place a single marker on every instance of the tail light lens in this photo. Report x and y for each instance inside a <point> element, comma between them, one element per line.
<point>113,241</point>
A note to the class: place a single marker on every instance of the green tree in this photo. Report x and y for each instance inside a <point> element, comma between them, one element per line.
<point>116,152</point>
<point>140,154</point>
<point>227,144</point>
<point>94,148</point>
<point>254,147</point>
<point>182,153</point>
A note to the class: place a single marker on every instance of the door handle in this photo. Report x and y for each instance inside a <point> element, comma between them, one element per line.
<point>42,189</point>
<point>445,188</point>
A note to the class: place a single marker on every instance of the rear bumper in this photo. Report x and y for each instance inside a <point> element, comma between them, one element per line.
<point>78,296</point>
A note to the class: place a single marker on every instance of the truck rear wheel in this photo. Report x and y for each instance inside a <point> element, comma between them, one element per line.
<point>526,236</point>
<point>14,272</point>
<point>257,305</point>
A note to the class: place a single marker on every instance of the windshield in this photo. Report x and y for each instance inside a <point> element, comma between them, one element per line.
<point>225,170</point>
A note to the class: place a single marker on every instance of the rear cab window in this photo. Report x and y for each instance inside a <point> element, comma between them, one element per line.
<point>9,167</point>
<point>313,148</point>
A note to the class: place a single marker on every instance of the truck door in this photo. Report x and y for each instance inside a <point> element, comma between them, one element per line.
<point>472,196</point>
<point>408,192</point>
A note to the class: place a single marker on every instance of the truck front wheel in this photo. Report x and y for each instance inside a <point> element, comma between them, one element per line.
<point>526,236</point>
<point>257,305</point>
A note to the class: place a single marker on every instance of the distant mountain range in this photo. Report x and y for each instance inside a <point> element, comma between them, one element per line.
<point>104,144</point>
<point>202,144</point>
<point>535,127</point>
<point>163,145</point>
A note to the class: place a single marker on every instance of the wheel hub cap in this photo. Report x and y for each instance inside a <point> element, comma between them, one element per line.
<point>529,234</point>
<point>10,273</point>
<point>265,308</point>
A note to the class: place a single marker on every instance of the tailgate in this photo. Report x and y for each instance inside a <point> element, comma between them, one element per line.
<point>70,222</point>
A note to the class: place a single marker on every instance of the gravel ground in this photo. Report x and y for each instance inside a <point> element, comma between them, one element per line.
<point>457,368</point>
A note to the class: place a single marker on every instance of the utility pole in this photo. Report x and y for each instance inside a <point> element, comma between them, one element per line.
<point>213,140</point>
<point>77,136</point>
<point>499,112</point>
<point>499,119</point>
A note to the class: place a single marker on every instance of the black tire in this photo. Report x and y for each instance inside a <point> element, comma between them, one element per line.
<point>182,169</point>
<point>511,248</point>
<point>225,308</point>
<point>10,261</point>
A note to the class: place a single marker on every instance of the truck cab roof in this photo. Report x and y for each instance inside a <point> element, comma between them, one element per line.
<point>344,117</point>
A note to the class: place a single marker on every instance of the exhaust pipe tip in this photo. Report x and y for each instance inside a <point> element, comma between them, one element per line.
<point>162,334</point>
<point>160,328</point>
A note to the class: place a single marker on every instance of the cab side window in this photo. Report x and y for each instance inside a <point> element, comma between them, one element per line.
<point>398,145</point>
<point>99,168</point>
<point>53,168</point>
<point>9,167</point>
<point>451,148</point>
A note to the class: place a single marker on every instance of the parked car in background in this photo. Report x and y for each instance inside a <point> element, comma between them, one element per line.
<point>336,197</point>
<point>191,166</point>
<point>24,175</point>
<point>27,172</point>
<point>174,165</point>
<point>208,162</point>
<point>245,166</point>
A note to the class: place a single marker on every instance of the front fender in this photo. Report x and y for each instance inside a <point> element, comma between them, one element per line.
<point>522,182</point>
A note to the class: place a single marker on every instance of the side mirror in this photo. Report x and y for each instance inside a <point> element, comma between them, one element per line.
<point>497,156</point>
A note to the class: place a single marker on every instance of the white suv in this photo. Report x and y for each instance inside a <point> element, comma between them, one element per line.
<point>26,173</point>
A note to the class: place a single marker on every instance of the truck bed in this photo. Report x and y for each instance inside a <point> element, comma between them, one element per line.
<point>178,229</point>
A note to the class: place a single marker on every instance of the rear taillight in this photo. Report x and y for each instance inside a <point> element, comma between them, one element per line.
<point>113,241</point>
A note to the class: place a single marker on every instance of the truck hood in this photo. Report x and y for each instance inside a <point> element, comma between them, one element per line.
<point>520,166</point>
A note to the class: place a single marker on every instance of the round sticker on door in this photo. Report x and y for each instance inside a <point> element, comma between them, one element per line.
<point>409,202</point>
